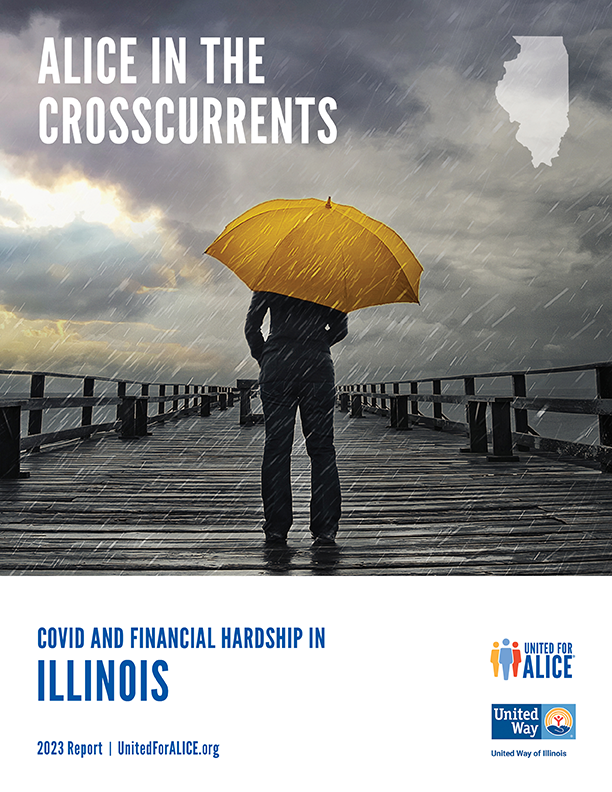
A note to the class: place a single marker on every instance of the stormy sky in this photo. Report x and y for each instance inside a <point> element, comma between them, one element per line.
<point>101,245</point>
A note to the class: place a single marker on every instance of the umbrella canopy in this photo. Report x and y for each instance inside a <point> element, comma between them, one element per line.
<point>326,253</point>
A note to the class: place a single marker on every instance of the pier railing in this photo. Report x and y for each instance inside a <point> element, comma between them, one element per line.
<point>501,419</point>
<point>129,403</point>
<point>496,414</point>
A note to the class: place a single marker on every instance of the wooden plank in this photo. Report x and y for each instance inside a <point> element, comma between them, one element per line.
<point>187,501</point>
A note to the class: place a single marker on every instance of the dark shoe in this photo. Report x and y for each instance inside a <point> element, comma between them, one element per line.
<point>272,540</point>
<point>325,540</point>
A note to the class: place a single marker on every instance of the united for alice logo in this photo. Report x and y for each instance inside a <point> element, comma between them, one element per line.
<point>537,660</point>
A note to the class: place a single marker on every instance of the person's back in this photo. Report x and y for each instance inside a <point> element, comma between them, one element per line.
<point>297,371</point>
<point>292,322</point>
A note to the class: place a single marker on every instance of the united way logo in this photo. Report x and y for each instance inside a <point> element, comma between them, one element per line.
<point>558,721</point>
<point>506,657</point>
<point>533,721</point>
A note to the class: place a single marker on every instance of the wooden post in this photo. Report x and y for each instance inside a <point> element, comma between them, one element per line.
<point>161,407</point>
<point>437,406</point>
<point>121,388</point>
<point>187,400</point>
<point>604,391</point>
<point>344,401</point>
<point>502,431</point>
<point>245,387</point>
<point>383,389</point>
<point>393,416</point>
<point>476,416</point>
<point>37,391</point>
<point>175,403</point>
<point>127,417</point>
<point>521,419</point>
<point>414,404</point>
<point>141,417</point>
<point>403,422</point>
<point>356,406</point>
<point>87,412</point>
<point>142,411</point>
<point>222,401</point>
<point>373,399</point>
<point>205,405</point>
<point>10,431</point>
<point>141,430</point>
<point>230,397</point>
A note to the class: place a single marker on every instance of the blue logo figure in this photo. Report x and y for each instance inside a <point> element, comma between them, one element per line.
<point>505,657</point>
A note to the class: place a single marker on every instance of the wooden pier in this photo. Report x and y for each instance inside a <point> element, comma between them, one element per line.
<point>186,501</point>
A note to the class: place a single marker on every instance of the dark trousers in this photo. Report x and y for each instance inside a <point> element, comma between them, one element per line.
<point>281,399</point>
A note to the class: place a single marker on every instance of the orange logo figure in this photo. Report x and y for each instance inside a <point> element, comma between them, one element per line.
<point>516,657</point>
<point>495,658</point>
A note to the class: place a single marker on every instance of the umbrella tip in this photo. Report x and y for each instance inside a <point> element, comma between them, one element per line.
<point>328,204</point>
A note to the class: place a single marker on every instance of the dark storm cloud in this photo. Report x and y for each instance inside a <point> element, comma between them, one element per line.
<point>369,96</point>
<point>590,73</point>
<point>443,152</point>
<point>77,296</point>
<point>81,15</point>
<point>441,275</point>
<point>79,271</point>
<point>193,243</point>
<point>590,215</point>
<point>142,14</point>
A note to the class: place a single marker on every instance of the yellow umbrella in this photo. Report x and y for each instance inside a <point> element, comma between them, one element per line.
<point>326,253</point>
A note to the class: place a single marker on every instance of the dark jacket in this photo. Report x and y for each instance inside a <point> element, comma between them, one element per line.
<point>294,324</point>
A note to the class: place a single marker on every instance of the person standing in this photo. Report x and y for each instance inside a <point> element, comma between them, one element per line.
<point>297,371</point>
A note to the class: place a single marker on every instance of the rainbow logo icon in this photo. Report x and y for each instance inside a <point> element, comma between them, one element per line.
<point>558,721</point>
